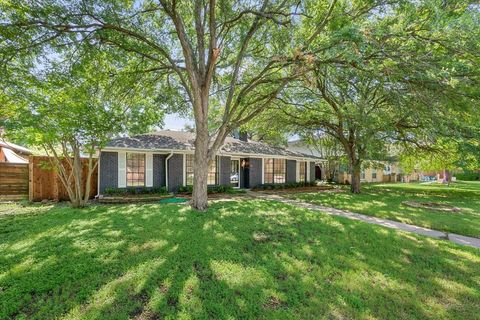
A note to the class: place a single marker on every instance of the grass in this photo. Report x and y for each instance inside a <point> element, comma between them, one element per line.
<point>385,201</point>
<point>241,259</point>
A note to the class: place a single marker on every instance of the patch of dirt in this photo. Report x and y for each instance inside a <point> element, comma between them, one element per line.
<point>163,288</point>
<point>172,301</point>
<point>143,312</point>
<point>260,237</point>
<point>431,205</point>
<point>274,303</point>
<point>147,315</point>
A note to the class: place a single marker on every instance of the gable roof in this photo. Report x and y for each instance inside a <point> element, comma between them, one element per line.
<point>14,147</point>
<point>167,140</point>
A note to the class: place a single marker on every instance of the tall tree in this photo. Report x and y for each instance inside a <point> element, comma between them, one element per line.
<point>206,53</point>
<point>401,77</point>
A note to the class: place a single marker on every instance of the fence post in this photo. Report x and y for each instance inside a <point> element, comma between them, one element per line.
<point>30,178</point>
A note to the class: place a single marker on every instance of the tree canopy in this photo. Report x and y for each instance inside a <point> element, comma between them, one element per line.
<point>226,62</point>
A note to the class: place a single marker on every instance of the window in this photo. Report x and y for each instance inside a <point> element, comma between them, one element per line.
<point>212,170</point>
<point>362,174</point>
<point>135,169</point>
<point>235,173</point>
<point>374,174</point>
<point>268,170</point>
<point>302,171</point>
<point>274,171</point>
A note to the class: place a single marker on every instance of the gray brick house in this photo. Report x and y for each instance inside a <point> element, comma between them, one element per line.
<point>165,158</point>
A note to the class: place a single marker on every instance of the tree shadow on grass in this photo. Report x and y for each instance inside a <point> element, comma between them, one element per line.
<point>245,259</point>
<point>389,205</point>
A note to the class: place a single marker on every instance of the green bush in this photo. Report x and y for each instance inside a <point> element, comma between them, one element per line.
<point>281,186</point>
<point>185,189</point>
<point>468,176</point>
<point>135,190</point>
<point>210,189</point>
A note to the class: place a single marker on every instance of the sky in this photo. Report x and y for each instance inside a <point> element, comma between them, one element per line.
<point>175,122</point>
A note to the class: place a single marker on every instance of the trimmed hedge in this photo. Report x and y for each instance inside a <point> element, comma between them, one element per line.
<point>135,190</point>
<point>468,176</point>
<point>210,189</point>
<point>281,186</point>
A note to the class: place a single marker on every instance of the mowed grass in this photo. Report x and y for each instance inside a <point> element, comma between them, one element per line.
<point>247,259</point>
<point>385,201</point>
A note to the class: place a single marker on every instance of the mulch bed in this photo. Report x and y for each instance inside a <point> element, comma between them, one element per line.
<point>302,190</point>
<point>155,198</point>
<point>133,198</point>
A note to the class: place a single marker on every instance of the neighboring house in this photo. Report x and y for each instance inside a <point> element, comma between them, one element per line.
<point>390,172</point>
<point>165,158</point>
<point>12,153</point>
<point>320,164</point>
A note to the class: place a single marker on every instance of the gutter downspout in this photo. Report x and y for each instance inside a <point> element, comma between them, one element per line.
<point>166,168</point>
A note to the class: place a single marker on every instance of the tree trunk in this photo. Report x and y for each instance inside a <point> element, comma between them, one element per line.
<point>447,177</point>
<point>200,171</point>
<point>356,168</point>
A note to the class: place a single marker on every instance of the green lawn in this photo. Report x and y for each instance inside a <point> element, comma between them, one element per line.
<point>385,201</point>
<point>245,259</point>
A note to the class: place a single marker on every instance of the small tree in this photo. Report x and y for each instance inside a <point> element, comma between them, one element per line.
<point>71,116</point>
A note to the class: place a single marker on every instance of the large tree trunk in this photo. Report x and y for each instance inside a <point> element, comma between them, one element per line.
<point>447,176</point>
<point>200,171</point>
<point>356,168</point>
<point>69,170</point>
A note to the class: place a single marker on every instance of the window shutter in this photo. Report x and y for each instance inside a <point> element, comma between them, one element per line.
<point>122,169</point>
<point>149,170</point>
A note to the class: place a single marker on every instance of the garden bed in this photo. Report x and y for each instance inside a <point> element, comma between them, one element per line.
<point>323,188</point>
<point>136,198</point>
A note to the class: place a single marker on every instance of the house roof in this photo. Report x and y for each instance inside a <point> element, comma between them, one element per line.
<point>184,141</point>
<point>13,146</point>
<point>12,157</point>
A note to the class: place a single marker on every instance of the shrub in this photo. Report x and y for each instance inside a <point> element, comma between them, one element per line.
<point>185,189</point>
<point>281,186</point>
<point>135,190</point>
<point>210,189</point>
<point>468,176</point>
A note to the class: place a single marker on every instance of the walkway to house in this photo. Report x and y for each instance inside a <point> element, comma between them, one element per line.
<point>463,240</point>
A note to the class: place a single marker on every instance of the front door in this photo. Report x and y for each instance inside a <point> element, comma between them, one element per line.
<point>318,173</point>
<point>244,173</point>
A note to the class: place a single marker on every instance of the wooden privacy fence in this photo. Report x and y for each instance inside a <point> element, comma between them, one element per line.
<point>13,180</point>
<point>44,182</point>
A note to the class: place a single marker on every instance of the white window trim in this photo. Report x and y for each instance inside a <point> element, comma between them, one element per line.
<point>239,171</point>
<point>122,170</point>
<point>307,173</point>
<point>184,169</point>
<point>275,158</point>
<point>149,170</point>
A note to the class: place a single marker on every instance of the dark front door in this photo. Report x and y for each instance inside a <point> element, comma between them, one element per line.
<point>244,173</point>
<point>318,173</point>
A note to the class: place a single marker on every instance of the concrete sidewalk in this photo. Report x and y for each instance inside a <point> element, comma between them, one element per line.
<point>463,240</point>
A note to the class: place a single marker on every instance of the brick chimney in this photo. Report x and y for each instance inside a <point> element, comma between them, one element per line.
<point>240,135</point>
